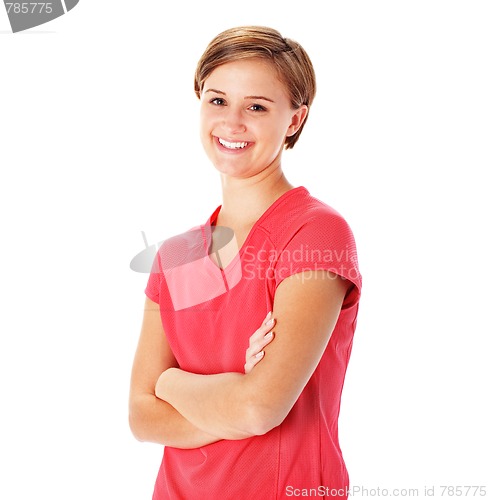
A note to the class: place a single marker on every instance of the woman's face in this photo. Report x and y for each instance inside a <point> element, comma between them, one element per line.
<point>246,115</point>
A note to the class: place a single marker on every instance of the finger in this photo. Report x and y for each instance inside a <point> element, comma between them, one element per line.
<point>259,345</point>
<point>262,330</point>
<point>262,343</point>
<point>267,338</point>
<point>267,317</point>
<point>253,361</point>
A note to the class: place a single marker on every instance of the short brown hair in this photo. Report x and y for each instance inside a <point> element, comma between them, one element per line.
<point>293,66</point>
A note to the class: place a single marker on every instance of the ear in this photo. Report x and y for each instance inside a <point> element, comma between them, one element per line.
<point>297,120</point>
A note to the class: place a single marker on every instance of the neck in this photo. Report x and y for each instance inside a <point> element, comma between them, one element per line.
<point>245,200</point>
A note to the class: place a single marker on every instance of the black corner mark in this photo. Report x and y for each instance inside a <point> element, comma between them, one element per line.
<point>26,15</point>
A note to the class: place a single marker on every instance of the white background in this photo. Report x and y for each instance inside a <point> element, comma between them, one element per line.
<point>99,141</point>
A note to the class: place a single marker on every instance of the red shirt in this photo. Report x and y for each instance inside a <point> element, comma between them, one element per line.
<point>208,315</point>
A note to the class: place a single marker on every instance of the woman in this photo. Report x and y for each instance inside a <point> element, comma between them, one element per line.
<point>235,422</point>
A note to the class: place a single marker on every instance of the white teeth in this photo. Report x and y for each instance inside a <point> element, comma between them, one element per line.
<point>233,145</point>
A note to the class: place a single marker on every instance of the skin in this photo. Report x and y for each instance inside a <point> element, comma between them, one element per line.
<point>252,178</point>
<point>186,410</point>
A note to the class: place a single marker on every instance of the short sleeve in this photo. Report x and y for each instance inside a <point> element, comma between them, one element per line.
<point>153,286</point>
<point>323,242</point>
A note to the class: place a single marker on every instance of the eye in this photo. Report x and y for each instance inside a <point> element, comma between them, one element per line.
<point>218,101</point>
<point>257,107</point>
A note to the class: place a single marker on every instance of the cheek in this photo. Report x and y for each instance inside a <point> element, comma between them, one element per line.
<point>207,119</point>
<point>203,118</point>
<point>205,130</point>
<point>277,130</point>
<point>203,125</point>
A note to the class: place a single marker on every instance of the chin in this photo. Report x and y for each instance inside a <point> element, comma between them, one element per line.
<point>231,171</point>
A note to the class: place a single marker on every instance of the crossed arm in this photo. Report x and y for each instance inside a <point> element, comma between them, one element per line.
<point>186,410</point>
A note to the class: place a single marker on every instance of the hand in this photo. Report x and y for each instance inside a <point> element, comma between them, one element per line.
<point>160,384</point>
<point>257,342</point>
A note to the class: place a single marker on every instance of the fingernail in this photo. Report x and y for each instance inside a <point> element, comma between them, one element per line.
<point>268,315</point>
<point>268,335</point>
<point>260,354</point>
<point>270,322</point>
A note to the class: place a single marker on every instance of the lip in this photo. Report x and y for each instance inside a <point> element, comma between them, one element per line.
<point>236,151</point>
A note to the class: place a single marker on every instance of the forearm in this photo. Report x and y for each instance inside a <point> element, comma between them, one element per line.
<point>154,420</point>
<point>220,404</point>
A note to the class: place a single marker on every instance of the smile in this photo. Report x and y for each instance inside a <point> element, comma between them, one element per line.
<point>232,145</point>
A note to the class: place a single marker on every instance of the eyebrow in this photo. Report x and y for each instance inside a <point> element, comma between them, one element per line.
<point>262,97</point>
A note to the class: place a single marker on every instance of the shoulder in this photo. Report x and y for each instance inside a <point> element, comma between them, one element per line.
<point>302,213</point>
<point>306,234</point>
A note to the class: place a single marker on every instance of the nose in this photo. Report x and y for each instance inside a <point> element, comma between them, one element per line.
<point>233,121</point>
